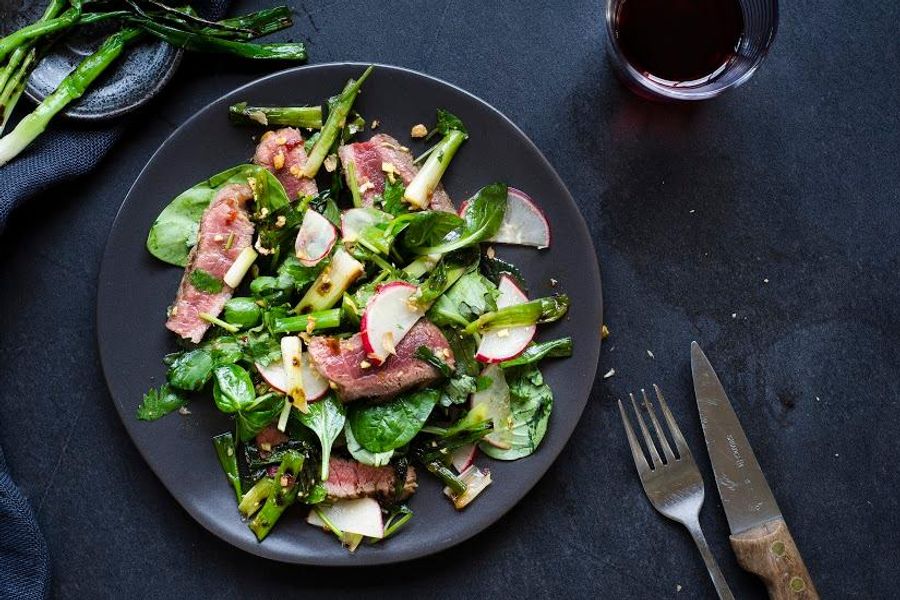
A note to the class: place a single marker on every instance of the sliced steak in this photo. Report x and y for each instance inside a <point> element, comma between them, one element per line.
<point>368,159</point>
<point>225,218</point>
<point>344,362</point>
<point>270,437</point>
<point>282,153</point>
<point>349,479</point>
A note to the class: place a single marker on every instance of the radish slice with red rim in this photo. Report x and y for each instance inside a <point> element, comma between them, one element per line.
<point>463,457</point>
<point>315,239</point>
<point>388,317</point>
<point>523,224</point>
<point>314,385</point>
<point>498,345</point>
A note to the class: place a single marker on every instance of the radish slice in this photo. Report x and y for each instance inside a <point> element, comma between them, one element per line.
<point>315,239</point>
<point>389,315</point>
<point>355,220</point>
<point>498,345</point>
<point>523,222</point>
<point>314,385</point>
<point>495,399</point>
<point>463,457</point>
<point>361,516</point>
<point>476,481</point>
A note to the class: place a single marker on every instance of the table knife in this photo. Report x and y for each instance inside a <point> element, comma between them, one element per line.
<point>759,535</point>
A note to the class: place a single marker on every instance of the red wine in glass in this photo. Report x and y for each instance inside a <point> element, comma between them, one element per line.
<point>679,41</point>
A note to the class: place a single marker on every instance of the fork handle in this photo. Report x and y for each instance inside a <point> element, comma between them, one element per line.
<point>770,552</point>
<point>712,566</point>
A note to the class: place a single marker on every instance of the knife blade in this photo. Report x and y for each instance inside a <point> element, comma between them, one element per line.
<point>759,535</point>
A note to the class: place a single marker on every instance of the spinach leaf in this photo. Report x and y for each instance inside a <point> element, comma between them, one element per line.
<point>191,370</point>
<point>224,350</point>
<point>459,382</point>
<point>373,459</point>
<point>531,402</point>
<point>159,402</point>
<point>392,424</point>
<point>494,268</point>
<point>469,298</point>
<point>268,193</point>
<point>206,282</point>
<point>242,311</point>
<point>429,227</point>
<point>447,272</point>
<point>261,347</point>
<point>482,220</point>
<point>534,353</point>
<point>326,419</point>
<point>253,418</point>
<point>292,271</point>
<point>174,232</point>
<point>232,388</point>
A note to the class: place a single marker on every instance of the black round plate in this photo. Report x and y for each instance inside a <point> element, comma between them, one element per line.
<point>135,288</point>
<point>136,77</point>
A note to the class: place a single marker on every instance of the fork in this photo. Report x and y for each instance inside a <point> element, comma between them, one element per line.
<point>674,485</point>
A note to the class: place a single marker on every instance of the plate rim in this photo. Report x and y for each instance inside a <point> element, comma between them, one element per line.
<point>370,559</point>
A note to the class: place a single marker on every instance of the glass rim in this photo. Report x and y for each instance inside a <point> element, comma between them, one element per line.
<point>663,91</point>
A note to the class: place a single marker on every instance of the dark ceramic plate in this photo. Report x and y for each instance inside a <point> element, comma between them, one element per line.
<point>136,77</point>
<point>135,288</point>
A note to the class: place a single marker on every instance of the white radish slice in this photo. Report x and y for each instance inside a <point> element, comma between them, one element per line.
<point>463,457</point>
<point>354,220</point>
<point>495,399</point>
<point>314,385</point>
<point>523,222</point>
<point>361,516</point>
<point>315,239</point>
<point>476,481</point>
<point>498,345</point>
<point>388,317</point>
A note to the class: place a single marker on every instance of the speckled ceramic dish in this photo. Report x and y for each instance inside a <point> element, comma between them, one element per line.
<point>138,75</point>
<point>135,289</point>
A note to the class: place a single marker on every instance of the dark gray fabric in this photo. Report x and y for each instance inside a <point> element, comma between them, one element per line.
<point>67,150</point>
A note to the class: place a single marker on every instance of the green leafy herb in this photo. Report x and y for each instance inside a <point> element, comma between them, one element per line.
<point>534,353</point>
<point>232,388</point>
<point>482,220</point>
<point>254,417</point>
<point>206,282</point>
<point>326,419</point>
<point>392,424</point>
<point>261,347</point>
<point>190,370</point>
<point>392,197</point>
<point>373,459</point>
<point>446,122</point>
<point>531,402</point>
<point>159,402</point>
<point>224,350</point>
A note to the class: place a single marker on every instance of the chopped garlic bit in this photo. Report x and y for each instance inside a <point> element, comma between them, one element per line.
<point>503,333</point>
<point>266,136</point>
<point>278,161</point>
<point>366,187</point>
<point>491,253</point>
<point>280,221</point>
<point>609,374</point>
<point>375,123</point>
<point>330,163</point>
<point>365,364</point>
<point>604,332</point>
<point>389,169</point>
<point>332,385</point>
<point>260,248</point>
<point>387,342</point>
<point>650,354</point>
<point>184,411</point>
<point>296,171</point>
<point>553,282</point>
<point>418,131</point>
<point>218,238</point>
<point>259,116</point>
<point>281,140</point>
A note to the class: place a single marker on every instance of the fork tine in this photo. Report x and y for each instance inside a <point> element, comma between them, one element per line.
<point>639,460</point>
<point>654,455</point>
<point>680,443</point>
<point>663,442</point>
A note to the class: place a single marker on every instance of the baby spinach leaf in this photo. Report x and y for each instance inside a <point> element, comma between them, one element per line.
<point>531,402</point>
<point>469,298</point>
<point>534,353</point>
<point>373,459</point>
<point>159,402</point>
<point>326,419</point>
<point>191,370</point>
<point>224,350</point>
<point>253,418</point>
<point>447,272</point>
<point>232,388</point>
<point>392,424</point>
<point>430,227</point>
<point>482,220</point>
<point>206,282</point>
<point>459,382</point>
<point>174,232</point>
<point>494,268</point>
<point>242,311</point>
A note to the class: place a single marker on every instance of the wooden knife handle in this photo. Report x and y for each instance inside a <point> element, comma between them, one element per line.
<point>770,552</point>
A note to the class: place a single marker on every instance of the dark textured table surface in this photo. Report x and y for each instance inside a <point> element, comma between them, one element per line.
<point>765,225</point>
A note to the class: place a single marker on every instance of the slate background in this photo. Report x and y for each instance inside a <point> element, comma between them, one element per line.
<point>765,225</point>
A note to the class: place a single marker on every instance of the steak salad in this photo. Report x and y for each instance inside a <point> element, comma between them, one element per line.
<point>357,326</point>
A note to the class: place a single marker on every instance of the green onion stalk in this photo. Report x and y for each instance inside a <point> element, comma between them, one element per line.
<point>71,88</point>
<point>307,117</point>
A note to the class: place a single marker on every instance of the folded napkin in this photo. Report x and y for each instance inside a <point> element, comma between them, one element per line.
<point>66,150</point>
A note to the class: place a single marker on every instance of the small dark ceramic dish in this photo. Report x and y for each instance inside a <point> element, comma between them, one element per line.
<point>133,80</point>
<point>135,289</point>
